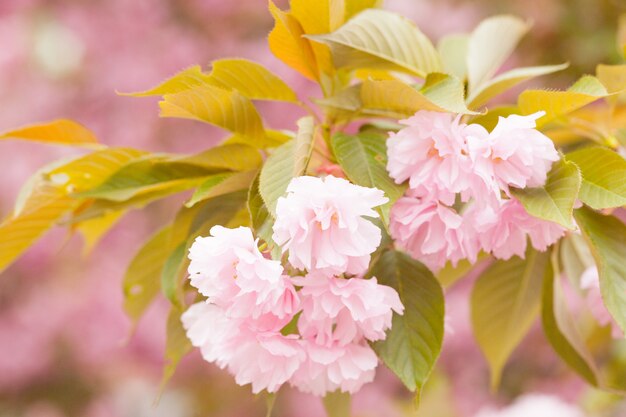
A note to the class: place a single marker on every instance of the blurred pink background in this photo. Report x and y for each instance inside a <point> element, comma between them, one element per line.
<point>65,343</point>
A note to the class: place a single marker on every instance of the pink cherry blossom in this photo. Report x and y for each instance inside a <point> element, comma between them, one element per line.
<point>330,368</point>
<point>321,223</point>
<point>432,153</point>
<point>503,230</point>
<point>266,361</point>
<point>514,154</point>
<point>336,310</point>
<point>229,269</point>
<point>432,232</point>
<point>212,331</point>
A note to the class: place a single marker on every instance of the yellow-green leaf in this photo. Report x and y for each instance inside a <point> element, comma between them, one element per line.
<point>505,302</point>
<point>287,44</point>
<point>394,98</point>
<point>509,79</point>
<point>92,230</point>
<point>606,236</point>
<point>233,157</point>
<point>560,328</point>
<point>177,344</point>
<point>555,200</point>
<point>603,176</point>
<point>184,80</point>
<point>250,79</point>
<point>557,104</point>
<point>288,161</point>
<point>141,282</point>
<point>490,44</point>
<point>220,184</point>
<point>398,45</point>
<point>49,201</point>
<point>62,132</point>
<point>453,51</point>
<point>363,158</point>
<point>229,110</point>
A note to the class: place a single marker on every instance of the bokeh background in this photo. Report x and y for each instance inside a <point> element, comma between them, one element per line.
<point>66,348</point>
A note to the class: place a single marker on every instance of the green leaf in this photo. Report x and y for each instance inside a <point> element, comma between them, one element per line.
<point>172,269</point>
<point>184,80</point>
<point>555,200</point>
<point>177,344</point>
<point>337,404</point>
<point>363,157</point>
<point>62,132</point>
<point>505,302</point>
<point>251,79</point>
<point>560,328</point>
<point>606,236</point>
<point>221,184</point>
<point>287,161</point>
<point>414,342</point>
<point>557,104</point>
<point>392,98</point>
<point>509,79</point>
<point>398,45</point>
<point>489,46</point>
<point>453,51</point>
<point>229,110</point>
<point>603,172</point>
<point>141,281</point>
<point>147,175</point>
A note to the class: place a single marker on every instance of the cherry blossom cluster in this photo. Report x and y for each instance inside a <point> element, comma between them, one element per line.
<point>307,323</point>
<point>459,175</point>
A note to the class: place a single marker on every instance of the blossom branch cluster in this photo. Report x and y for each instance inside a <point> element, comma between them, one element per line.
<point>459,199</point>
<point>309,328</point>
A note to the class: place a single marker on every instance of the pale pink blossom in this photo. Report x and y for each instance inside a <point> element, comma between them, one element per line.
<point>337,310</point>
<point>228,268</point>
<point>210,329</point>
<point>590,281</point>
<point>321,223</point>
<point>503,230</point>
<point>431,232</point>
<point>266,360</point>
<point>330,368</point>
<point>535,405</point>
<point>432,153</point>
<point>514,154</point>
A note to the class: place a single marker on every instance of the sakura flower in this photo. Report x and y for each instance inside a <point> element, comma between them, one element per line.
<point>503,230</point>
<point>329,368</point>
<point>336,310</point>
<point>212,331</point>
<point>229,269</point>
<point>431,232</point>
<point>432,153</point>
<point>266,361</point>
<point>590,281</point>
<point>514,154</point>
<point>321,223</point>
